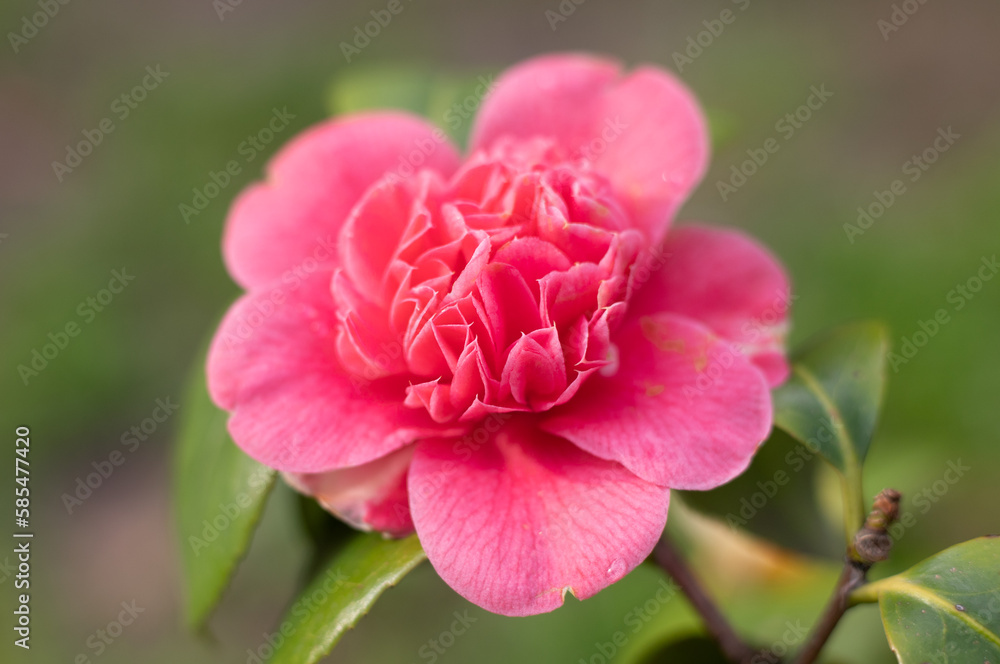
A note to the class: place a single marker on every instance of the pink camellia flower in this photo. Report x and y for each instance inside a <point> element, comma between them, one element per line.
<point>511,355</point>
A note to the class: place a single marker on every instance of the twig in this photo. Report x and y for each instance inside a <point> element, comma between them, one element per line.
<point>871,544</point>
<point>667,557</point>
<point>852,577</point>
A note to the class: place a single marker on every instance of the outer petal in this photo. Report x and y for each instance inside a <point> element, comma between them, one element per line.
<point>516,522</point>
<point>684,409</point>
<point>293,219</point>
<point>727,281</point>
<point>369,497</point>
<point>645,132</point>
<point>553,96</point>
<point>273,365</point>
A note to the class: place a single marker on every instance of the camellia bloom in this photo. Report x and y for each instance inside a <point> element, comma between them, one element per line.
<point>512,355</point>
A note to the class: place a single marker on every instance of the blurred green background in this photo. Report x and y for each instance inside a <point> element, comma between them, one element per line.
<point>119,209</point>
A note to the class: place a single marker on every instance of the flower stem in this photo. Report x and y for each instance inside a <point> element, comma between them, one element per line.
<point>854,501</point>
<point>871,544</point>
<point>852,577</point>
<point>667,557</point>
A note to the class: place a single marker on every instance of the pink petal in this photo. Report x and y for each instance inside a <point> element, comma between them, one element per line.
<point>565,296</point>
<point>684,409</point>
<point>662,153</point>
<point>533,257</point>
<point>534,373</point>
<point>366,346</point>
<point>372,235</point>
<point>369,497</point>
<point>551,96</point>
<point>727,281</point>
<point>273,365</point>
<point>645,132</point>
<point>507,304</point>
<point>293,219</point>
<point>516,521</point>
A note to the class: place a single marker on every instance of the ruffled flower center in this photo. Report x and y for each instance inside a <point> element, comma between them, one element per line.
<point>496,291</point>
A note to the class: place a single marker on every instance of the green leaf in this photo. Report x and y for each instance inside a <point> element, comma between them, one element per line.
<point>946,609</point>
<point>775,498</point>
<point>449,100</point>
<point>368,87</point>
<point>832,400</point>
<point>219,494</point>
<point>341,593</point>
<point>723,127</point>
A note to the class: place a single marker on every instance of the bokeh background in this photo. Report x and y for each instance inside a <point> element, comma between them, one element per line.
<point>61,238</point>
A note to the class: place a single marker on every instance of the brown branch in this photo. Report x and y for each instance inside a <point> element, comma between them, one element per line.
<point>871,544</point>
<point>852,577</point>
<point>667,557</point>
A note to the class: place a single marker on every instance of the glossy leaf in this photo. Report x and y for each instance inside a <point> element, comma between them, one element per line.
<point>449,100</point>
<point>832,400</point>
<point>833,396</point>
<point>219,494</point>
<point>946,609</point>
<point>341,593</point>
<point>775,498</point>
